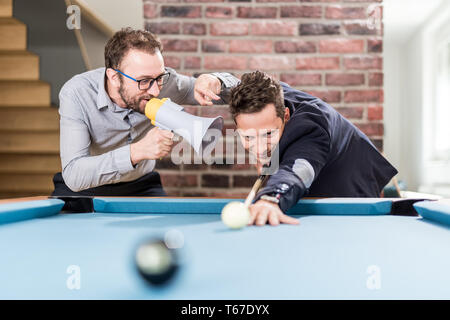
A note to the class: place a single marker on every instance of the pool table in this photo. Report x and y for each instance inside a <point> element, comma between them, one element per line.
<point>342,249</point>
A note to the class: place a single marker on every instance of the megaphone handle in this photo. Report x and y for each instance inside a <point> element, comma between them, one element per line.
<point>175,137</point>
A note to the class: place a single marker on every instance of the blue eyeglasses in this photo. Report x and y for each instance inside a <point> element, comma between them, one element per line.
<point>145,84</point>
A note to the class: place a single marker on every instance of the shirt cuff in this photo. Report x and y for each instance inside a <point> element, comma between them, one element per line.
<point>122,159</point>
<point>227,80</point>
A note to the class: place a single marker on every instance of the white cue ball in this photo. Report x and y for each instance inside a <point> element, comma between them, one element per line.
<point>235,215</point>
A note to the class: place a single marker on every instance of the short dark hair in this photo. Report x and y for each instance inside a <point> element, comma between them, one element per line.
<point>254,92</point>
<point>126,39</point>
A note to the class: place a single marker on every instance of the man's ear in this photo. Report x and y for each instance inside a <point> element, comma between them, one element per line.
<point>113,77</point>
<point>287,114</point>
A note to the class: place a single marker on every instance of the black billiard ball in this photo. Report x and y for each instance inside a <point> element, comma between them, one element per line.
<point>156,263</point>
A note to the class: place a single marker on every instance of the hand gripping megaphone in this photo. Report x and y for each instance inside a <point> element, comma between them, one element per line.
<point>198,131</point>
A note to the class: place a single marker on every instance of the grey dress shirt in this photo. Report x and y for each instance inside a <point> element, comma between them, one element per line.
<point>95,133</point>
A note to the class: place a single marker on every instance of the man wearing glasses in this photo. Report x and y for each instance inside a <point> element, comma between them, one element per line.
<point>108,146</point>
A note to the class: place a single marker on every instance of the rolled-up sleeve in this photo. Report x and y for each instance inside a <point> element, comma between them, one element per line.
<point>80,170</point>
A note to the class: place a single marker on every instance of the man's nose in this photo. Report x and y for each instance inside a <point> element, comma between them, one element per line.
<point>261,146</point>
<point>154,89</point>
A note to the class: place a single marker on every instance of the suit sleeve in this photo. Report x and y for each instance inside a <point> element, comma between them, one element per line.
<point>303,152</point>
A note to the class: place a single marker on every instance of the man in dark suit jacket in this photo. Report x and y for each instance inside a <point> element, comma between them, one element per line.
<point>317,151</point>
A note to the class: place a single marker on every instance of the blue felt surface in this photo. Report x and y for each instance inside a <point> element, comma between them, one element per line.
<point>25,210</point>
<point>434,210</point>
<point>325,257</point>
<point>329,206</point>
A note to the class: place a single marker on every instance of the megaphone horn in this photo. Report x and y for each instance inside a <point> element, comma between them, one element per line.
<point>200,132</point>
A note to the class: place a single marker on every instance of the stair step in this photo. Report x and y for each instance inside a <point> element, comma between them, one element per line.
<point>24,93</point>
<point>13,34</point>
<point>6,8</point>
<point>30,142</point>
<point>23,182</point>
<point>29,119</point>
<point>19,65</point>
<point>30,163</point>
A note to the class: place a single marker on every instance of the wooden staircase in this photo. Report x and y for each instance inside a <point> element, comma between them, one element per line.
<point>29,125</point>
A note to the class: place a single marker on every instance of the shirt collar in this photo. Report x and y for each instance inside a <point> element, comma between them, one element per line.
<point>103,99</point>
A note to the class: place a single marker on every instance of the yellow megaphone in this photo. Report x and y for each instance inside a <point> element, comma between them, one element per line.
<point>200,132</point>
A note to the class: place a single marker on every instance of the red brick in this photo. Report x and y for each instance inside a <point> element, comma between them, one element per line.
<point>203,1</point>
<point>376,79</point>
<point>270,63</point>
<point>301,11</point>
<point>296,46</point>
<point>172,192</point>
<point>371,129</point>
<point>228,194</point>
<point>317,29</point>
<point>167,163</point>
<point>262,1</point>
<point>251,46</point>
<point>351,112</point>
<point>351,0</point>
<point>192,62</point>
<point>192,193</point>
<point>194,167</point>
<point>215,111</point>
<point>218,12</point>
<point>213,45</point>
<point>215,181</point>
<point>321,0</point>
<point>364,62</point>
<point>375,45</point>
<point>247,181</point>
<point>229,28</point>
<point>191,109</point>
<point>172,62</point>
<point>274,28</point>
<point>361,28</point>
<point>228,126</point>
<point>317,63</point>
<point>167,1</point>
<point>179,45</point>
<point>181,11</point>
<point>375,113</point>
<point>150,10</point>
<point>194,28</point>
<point>344,79</point>
<point>301,79</point>
<point>364,96</point>
<point>341,46</point>
<point>177,180</point>
<point>339,12</point>
<point>163,27</point>
<point>257,12</point>
<point>225,63</point>
<point>326,95</point>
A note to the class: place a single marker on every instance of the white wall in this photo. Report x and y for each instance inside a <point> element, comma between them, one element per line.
<point>118,13</point>
<point>408,91</point>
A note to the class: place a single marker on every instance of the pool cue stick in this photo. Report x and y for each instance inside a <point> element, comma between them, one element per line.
<point>254,190</point>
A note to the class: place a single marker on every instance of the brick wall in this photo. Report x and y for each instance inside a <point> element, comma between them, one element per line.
<point>329,48</point>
